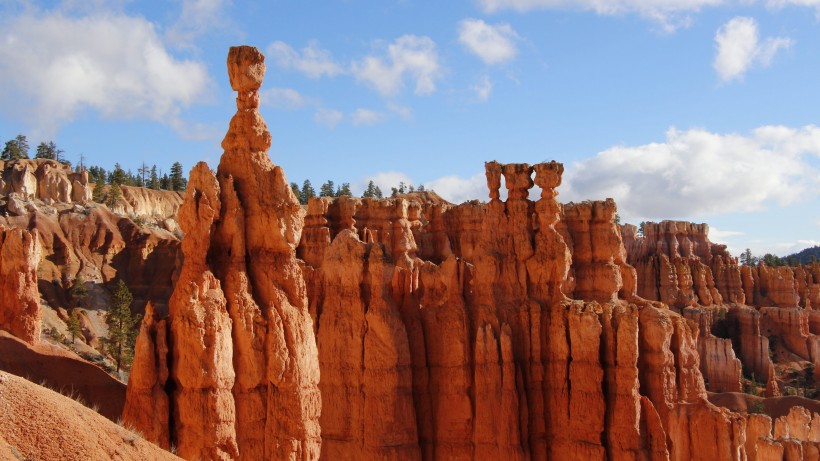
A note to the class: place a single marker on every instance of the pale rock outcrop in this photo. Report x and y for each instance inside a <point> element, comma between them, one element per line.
<point>20,252</point>
<point>46,180</point>
<point>157,205</point>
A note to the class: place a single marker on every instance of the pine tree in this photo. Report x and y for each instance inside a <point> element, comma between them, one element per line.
<point>114,196</point>
<point>98,195</point>
<point>119,343</point>
<point>154,183</point>
<point>746,258</point>
<point>307,191</point>
<point>118,176</point>
<point>296,192</point>
<point>378,192</point>
<point>178,182</point>
<point>344,190</point>
<point>49,151</point>
<point>370,190</point>
<point>74,325</point>
<point>142,171</point>
<point>15,149</point>
<point>327,189</point>
<point>78,291</point>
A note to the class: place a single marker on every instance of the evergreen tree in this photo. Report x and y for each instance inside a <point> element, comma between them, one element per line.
<point>98,195</point>
<point>122,334</point>
<point>78,291</point>
<point>49,151</point>
<point>154,183</point>
<point>178,182</point>
<point>296,192</point>
<point>378,192</point>
<point>746,258</point>
<point>118,176</point>
<point>370,190</point>
<point>421,188</point>
<point>16,148</point>
<point>344,190</point>
<point>307,191</point>
<point>114,196</point>
<point>74,325</point>
<point>142,172</point>
<point>165,182</point>
<point>327,189</point>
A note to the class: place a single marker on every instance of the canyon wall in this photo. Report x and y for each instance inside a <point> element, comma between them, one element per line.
<point>29,185</point>
<point>514,329</point>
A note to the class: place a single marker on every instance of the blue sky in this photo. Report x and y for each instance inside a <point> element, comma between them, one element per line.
<point>701,110</point>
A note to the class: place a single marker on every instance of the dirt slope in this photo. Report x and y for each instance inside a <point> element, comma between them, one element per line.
<point>41,424</point>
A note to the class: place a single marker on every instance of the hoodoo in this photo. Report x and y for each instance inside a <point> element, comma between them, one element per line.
<point>243,366</point>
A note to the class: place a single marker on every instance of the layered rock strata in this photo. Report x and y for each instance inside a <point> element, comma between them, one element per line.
<point>504,363</point>
<point>243,368</point>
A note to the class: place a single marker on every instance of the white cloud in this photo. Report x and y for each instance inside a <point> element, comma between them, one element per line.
<point>197,17</point>
<point>483,88</point>
<point>282,98</point>
<point>55,66</point>
<point>721,236</point>
<point>738,48</point>
<point>696,173</point>
<point>402,111</point>
<point>670,14</point>
<point>456,189</point>
<point>328,117</point>
<point>365,117</point>
<point>493,44</point>
<point>408,56</point>
<point>313,61</point>
<point>385,180</point>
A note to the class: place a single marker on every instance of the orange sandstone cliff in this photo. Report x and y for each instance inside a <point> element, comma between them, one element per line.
<point>19,298</point>
<point>242,373</point>
<point>519,329</point>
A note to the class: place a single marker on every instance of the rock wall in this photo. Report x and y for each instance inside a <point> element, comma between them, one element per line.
<point>149,203</point>
<point>512,329</point>
<point>243,365</point>
<point>20,252</point>
<point>100,246</point>
<point>29,185</point>
<point>46,180</point>
<point>520,342</point>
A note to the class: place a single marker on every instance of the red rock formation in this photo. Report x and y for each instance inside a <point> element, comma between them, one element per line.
<point>507,330</point>
<point>678,265</point>
<point>19,298</point>
<point>753,347</point>
<point>720,367</point>
<point>100,246</point>
<point>503,365</point>
<point>244,363</point>
<point>148,406</point>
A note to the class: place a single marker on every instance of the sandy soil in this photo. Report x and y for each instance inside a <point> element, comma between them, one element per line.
<point>41,424</point>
